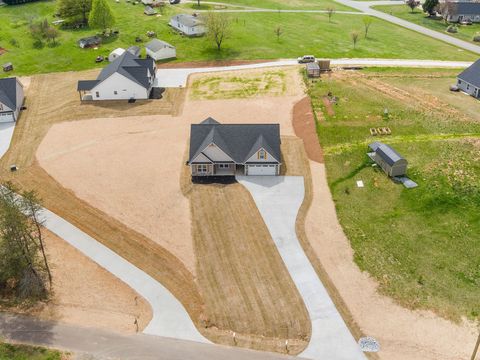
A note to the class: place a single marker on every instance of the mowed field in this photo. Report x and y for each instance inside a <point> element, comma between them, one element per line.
<point>421,245</point>
<point>251,37</point>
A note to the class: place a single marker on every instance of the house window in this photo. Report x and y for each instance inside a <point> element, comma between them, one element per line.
<point>202,168</point>
<point>262,155</point>
<point>223,166</point>
<point>468,87</point>
<point>115,93</point>
<point>97,94</point>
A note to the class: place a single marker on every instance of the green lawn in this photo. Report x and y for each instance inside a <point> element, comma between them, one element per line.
<point>290,4</point>
<point>252,37</point>
<point>422,245</point>
<point>25,352</point>
<point>465,32</point>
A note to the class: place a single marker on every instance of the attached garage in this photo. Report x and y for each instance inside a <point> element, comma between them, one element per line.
<point>261,170</point>
<point>7,117</point>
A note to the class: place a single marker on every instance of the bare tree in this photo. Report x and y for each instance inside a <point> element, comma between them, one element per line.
<point>354,36</point>
<point>278,31</point>
<point>412,4</point>
<point>367,22</point>
<point>218,27</point>
<point>330,12</point>
<point>447,8</point>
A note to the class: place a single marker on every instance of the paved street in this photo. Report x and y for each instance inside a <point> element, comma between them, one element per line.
<point>108,345</point>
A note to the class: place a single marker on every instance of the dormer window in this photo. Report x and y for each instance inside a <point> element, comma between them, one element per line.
<point>262,155</point>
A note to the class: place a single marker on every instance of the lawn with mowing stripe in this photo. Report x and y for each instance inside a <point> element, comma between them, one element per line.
<point>422,245</point>
<point>26,352</point>
<point>465,32</point>
<point>252,37</point>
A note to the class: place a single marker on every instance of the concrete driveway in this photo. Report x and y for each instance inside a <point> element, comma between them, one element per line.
<point>278,199</point>
<point>170,319</point>
<point>6,133</point>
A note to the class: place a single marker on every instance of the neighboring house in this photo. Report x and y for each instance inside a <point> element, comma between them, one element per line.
<point>115,54</point>
<point>189,25</point>
<point>89,41</point>
<point>469,80</point>
<point>227,149</point>
<point>462,11</point>
<point>313,69</point>
<point>128,77</point>
<point>159,50</point>
<point>391,162</point>
<point>11,99</point>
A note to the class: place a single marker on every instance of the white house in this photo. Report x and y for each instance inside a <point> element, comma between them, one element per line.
<point>159,50</point>
<point>11,99</point>
<point>189,25</point>
<point>126,78</point>
<point>227,149</point>
<point>469,80</point>
<point>115,54</point>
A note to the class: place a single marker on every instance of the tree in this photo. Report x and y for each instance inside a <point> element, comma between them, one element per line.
<point>429,6</point>
<point>278,31</point>
<point>330,12</point>
<point>412,4</point>
<point>75,11</point>
<point>354,36</point>
<point>367,22</point>
<point>447,8</point>
<point>23,262</point>
<point>218,27</point>
<point>42,30</point>
<point>51,34</point>
<point>101,16</point>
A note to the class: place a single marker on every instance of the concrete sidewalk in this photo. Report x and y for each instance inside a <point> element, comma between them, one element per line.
<point>170,319</point>
<point>278,199</point>
<point>103,344</point>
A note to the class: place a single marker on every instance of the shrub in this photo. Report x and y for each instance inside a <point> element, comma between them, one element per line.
<point>476,37</point>
<point>452,29</point>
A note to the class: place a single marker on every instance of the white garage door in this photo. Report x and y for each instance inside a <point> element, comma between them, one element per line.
<point>261,169</point>
<point>6,117</point>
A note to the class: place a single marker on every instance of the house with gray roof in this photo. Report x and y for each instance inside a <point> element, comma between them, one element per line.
<point>127,77</point>
<point>462,11</point>
<point>228,149</point>
<point>469,80</point>
<point>391,162</point>
<point>11,99</point>
<point>160,50</point>
<point>190,25</point>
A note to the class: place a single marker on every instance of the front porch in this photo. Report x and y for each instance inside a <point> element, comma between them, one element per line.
<point>216,169</point>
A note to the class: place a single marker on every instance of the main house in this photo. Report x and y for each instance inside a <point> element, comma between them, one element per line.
<point>11,99</point>
<point>229,149</point>
<point>189,25</point>
<point>469,80</point>
<point>462,11</point>
<point>126,78</point>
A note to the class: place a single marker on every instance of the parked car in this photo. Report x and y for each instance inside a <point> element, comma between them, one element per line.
<point>306,59</point>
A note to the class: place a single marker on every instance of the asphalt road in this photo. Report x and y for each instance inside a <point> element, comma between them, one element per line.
<point>102,344</point>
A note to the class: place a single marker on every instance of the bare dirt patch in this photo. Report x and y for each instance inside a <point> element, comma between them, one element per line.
<point>305,128</point>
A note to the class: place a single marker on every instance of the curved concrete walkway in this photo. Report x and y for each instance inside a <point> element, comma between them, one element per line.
<point>170,319</point>
<point>278,199</point>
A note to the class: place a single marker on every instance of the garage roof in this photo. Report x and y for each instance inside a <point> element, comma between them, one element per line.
<point>8,92</point>
<point>238,141</point>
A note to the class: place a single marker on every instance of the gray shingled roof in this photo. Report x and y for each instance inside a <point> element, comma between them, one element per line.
<point>85,85</point>
<point>8,92</point>
<point>466,8</point>
<point>239,141</point>
<point>471,74</point>
<point>188,20</point>
<point>157,44</point>
<point>386,152</point>
<point>131,67</point>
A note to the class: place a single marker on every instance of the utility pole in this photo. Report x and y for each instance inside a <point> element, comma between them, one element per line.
<point>474,355</point>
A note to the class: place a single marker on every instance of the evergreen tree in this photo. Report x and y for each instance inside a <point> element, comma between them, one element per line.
<point>429,6</point>
<point>101,16</point>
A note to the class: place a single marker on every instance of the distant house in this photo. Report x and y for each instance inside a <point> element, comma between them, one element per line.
<point>128,77</point>
<point>313,69</point>
<point>391,162</point>
<point>462,11</point>
<point>469,80</point>
<point>227,149</point>
<point>11,99</point>
<point>189,25</point>
<point>149,10</point>
<point>115,54</point>
<point>160,50</point>
<point>90,41</point>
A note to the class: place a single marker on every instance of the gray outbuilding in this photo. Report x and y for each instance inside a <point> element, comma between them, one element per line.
<point>469,80</point>
<point>313,70</point>
<point>391,162</point>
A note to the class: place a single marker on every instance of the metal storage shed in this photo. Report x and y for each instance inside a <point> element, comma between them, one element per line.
<point>391,162</point>
<point>313,69</point>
